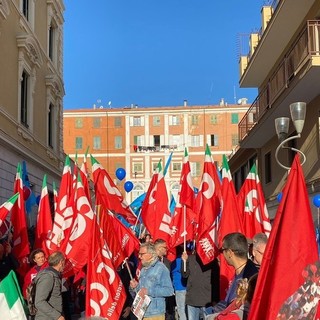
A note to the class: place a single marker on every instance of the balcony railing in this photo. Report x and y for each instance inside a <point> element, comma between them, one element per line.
<point>137,148</point>
<point>306,46</point>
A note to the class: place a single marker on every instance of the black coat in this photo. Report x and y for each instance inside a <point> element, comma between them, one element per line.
<point>203,282</point>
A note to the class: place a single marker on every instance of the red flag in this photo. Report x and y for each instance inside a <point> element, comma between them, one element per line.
<point>62,202</point>
<point>105,294</point>
<point>128,241</point>
<point>184,220</point>
<point>290,249</point>
<point>109,195</point>
<point>252,206</point>
<point>44,220</point>
<point>20,232</point>
<point>155,211</point>
<point>208,207</point>
<point>77,237</point>
<point>230,221</point>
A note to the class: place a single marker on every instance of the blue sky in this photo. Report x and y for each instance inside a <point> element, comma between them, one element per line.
<point>155,53</point>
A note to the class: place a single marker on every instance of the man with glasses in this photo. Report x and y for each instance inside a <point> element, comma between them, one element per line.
<point>259,243</point>
<point>235,251</point>
<point>162,250</point>
<point>154,281</point>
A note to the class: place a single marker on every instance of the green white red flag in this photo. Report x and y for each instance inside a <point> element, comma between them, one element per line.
<point>12,304</point>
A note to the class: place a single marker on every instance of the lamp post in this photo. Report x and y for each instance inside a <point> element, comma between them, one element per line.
<point>298,113</point>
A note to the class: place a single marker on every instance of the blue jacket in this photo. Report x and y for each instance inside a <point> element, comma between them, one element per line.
<point>156,278</point>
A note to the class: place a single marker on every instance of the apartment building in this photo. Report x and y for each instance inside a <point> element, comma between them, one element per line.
<point>283,62</point>
<point>137,138</point>
<point>31,91</point>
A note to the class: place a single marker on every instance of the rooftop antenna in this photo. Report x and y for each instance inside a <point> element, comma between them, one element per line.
<point>234,94</point>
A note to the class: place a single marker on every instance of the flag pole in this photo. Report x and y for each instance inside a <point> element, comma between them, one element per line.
<point>184,236</point>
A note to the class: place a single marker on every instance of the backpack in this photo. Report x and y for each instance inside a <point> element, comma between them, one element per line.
<point>31,296</point>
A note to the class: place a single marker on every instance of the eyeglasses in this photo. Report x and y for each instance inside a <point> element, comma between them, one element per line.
<point>222,249</point>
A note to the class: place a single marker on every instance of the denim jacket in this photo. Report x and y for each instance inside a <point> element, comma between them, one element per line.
<point>156,278</point>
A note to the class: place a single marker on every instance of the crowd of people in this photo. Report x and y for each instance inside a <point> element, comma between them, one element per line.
<point>182,289</point>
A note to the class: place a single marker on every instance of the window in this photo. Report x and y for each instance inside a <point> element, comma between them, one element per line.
<point>78,142</point>
<point>118,142</point>
<point>154,166</point>
<point>214,119</point>
<point>96,143</point>
<point>25,8</point>
<point>96,122</point>
<point>79,123</point>
<point>156,121</point>
<point>176,166</point>
<point>234,139</point>
<point>195,141</point>
<point>136,121</point>
<point>156,140</point>
<point>24,99</point>
<point>117,122</point>
<point>174,120</point>
<point>194,119</point>
<point>50,125</point>
<point>234,118</point>
<point>51,40</point>
<point>195,169</point>
<point>137,140</point>
<point>267,167</point>
<point>137,167</point>
<point>214,140</point>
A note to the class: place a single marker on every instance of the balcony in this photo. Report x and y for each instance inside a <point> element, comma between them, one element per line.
<point>295,78</point>
<point>277,30</point>
<point>137,148</point>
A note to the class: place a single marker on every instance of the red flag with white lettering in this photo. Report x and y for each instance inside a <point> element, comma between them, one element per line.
<point>155,211</point>
<point>230,221</point>
<point>252,206</point>
<point>109,195</point>
<point>44,220</point>
<point>62,203</point>
<point>208,208</point>
<point>77,238</point>
<point>105,294</point>
<point>289,275</point>
<point>184,220</point>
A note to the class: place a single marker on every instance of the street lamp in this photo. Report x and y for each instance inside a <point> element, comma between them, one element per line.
<point>298,113</point>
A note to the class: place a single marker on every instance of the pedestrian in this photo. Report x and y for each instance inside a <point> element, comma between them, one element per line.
<point>154,281</point>
<point>48,298</point>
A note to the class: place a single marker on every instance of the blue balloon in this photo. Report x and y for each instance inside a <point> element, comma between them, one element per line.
<point>316,200</point>
<point>279,197</point>
<point>120,173</point>
<point>128,186</point>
